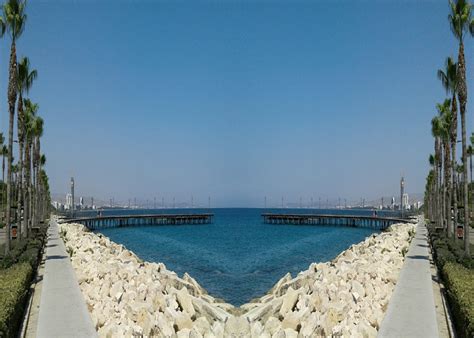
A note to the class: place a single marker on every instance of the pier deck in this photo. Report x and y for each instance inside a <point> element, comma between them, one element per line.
<point>100,222</point>
<point>373,222</point>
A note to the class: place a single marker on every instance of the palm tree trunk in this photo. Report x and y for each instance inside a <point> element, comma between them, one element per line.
<point>12,86</point>
<point>37,188</point>
<point>454,187</point>
<point>33,183</point>
<point>465,182</point>
<point>454,136</point>
<point>19,192</point>
<point>30,186</point>
<point>26,183</point>
<point>442,171</point>
<point>462,95</point>
<point>470,167</point>
<point>438,186</point>
<point>21,137</point>
<point>447,179</point>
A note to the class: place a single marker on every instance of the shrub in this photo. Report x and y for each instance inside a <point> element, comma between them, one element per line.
<point>443,256</point>
<point>25,250</point>
<point>14,285</point>
<point>449,250</point>
<point>460,289</point>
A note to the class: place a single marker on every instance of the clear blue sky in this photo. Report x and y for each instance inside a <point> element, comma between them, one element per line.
<point>236,99</point>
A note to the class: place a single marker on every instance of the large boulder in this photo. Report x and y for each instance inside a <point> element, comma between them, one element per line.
<point>185,301</point>
<point>272,325</point>
<point>202,325</point>
<point>237,327</point>
<point>289,301</point>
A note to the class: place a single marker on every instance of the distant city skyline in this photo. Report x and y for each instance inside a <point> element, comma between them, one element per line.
<point>65,201</point>
<point>237,100</point>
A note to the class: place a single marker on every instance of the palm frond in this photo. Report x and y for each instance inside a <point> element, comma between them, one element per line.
<point>444,80</point>
<point>431,160</point>
<point>15,17</point>
<point>3,26</point>
<point>460,17</point>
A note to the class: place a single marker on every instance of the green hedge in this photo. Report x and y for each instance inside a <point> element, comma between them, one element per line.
<point>16,272</point>
<point>22,251</point>
<point>14,285</point>
<point>460,289</point>
<point>450,250</point>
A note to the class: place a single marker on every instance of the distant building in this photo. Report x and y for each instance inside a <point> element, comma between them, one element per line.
<point>417,205</point>
<point>402,195</point>
<point>81,202</point>
<point>58,205</point>
<point>393,203</point>
<point>405,204</point>
<point>68,205</point>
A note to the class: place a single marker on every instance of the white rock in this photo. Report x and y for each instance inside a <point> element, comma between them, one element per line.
<point>184,333</point>
<point>272,325</point>
<point>237,327</point>
<point>202,325</point>
<point>289,301</point>
<point>289,333</point>
<point>184,300</point>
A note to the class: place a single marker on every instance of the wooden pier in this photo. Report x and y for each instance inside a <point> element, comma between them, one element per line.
<point>373,222</point>
<point>101,222</point>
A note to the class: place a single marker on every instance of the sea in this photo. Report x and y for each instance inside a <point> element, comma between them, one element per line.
<point>237,257</point>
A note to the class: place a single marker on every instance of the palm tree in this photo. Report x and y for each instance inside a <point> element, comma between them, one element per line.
<point>431,189</point>
<point>459,172</point>
<point>446,116</point>
<point>36,151</point>
<point>460,22</point>
<point>45,196</point>
<point>435,131</point>
<point>25,81</point>
<point>30,115</point>
<point>448,78</point>
<point>15,18</point>
<point>2,140</point>
<point>42,163</point>
<point>2,149</point>
<point>4,153</point>
<point>470,150</point>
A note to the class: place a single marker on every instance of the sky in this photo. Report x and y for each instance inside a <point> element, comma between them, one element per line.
<point>236,100</point>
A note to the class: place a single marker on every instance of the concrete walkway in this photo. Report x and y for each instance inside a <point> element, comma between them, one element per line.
<point>62,311</point>
<point>411,310</point>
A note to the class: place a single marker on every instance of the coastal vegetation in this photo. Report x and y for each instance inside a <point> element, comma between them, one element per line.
<point>459,281</point>
<point>24,189</point>
<point>449,189</point>
<point>14,282</point>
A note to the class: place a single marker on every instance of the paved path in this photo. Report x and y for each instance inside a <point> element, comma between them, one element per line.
<point>63,311</point>
<point>411,311</point>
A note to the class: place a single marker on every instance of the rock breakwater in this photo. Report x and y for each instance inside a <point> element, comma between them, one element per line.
<point>128,297</point>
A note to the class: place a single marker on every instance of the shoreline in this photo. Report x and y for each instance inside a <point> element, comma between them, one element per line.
<point>126,296</point>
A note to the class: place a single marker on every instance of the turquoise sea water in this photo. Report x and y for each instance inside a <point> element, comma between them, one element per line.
<point>237,258</point>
